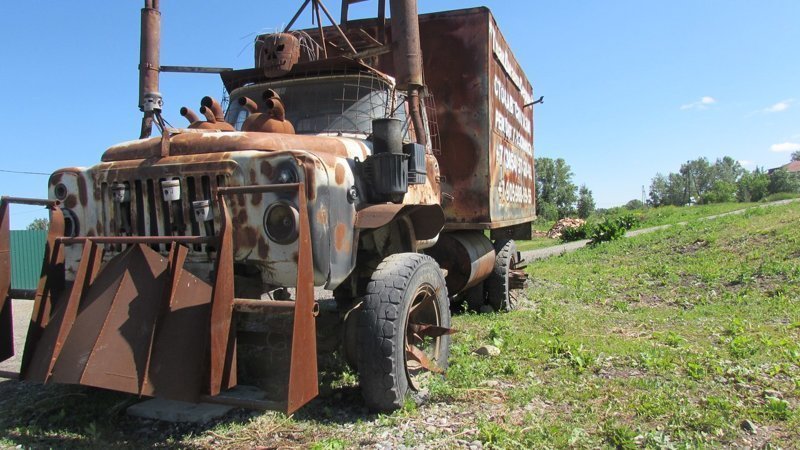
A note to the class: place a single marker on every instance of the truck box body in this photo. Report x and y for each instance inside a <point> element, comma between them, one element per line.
<point>485,132</point>
<point>482,133</point>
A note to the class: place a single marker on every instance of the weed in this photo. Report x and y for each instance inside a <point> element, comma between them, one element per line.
<point>743,346</point>
<point>621,437</point>
<point>776,408</point>
<point>695,370</point>
<point>576,356</point>
<point>329,444</point>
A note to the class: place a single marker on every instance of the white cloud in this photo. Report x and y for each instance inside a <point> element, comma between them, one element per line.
<point>703,103</point>
<point>745,162</point>
<point>779,107</point>
<point>785,147</point>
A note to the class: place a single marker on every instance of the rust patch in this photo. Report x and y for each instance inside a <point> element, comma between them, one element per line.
<point>241,216</point>
<point>266,169</point>
<point>263,249</point>
<point>71,201</point>
<point>322,215</point>
<point>246,237</point>
<point>339,174</point>
<point>339,237</point>
<point>82,192</point>
<point>308,169</point>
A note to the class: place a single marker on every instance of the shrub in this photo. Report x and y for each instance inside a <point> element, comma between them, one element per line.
<point>569,234</point>
<point>628,220</point>
<point>608,230</point>
<point>780,196</point>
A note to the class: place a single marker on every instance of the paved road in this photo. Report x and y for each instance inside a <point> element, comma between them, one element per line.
<point>532,255</point>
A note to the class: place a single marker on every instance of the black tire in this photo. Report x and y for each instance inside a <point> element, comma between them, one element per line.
<point>475,297</point>
<point>406,289</point>
<point>498,292</point>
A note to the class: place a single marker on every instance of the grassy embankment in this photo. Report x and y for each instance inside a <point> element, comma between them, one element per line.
<point>648,217</point>
<point>686,337</point>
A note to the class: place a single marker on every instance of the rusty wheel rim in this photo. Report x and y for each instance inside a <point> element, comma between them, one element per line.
<point>513,292</point>
<point>423,336</point>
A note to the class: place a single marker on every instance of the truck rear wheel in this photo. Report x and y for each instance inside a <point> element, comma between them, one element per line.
<point>403,329</point>
<point>499,292</point>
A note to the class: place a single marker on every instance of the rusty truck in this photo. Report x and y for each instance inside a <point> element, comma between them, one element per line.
<point>389,160</point>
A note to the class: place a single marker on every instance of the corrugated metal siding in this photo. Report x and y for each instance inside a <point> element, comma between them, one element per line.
<point>27,251</point>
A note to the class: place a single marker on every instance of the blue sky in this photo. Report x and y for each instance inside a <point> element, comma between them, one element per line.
<point>631,88</point>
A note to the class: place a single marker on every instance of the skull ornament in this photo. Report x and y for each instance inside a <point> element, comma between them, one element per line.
<point>277,53</point>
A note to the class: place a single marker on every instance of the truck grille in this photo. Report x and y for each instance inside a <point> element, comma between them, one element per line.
<point>145,212</point>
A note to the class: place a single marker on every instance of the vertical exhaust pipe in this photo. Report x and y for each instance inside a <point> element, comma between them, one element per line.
<point>407,55</point>
<point>150,101</point>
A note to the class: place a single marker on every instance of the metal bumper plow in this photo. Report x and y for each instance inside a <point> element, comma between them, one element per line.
<point>139,323</point>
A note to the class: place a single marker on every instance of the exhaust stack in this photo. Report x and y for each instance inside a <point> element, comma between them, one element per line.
<point>150,101</point>
<point>407,55</point>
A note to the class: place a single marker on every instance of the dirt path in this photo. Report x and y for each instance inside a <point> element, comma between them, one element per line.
<point>22,316</point>
<point>533,255</point>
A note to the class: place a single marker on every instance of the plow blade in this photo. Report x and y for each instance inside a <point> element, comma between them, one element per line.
<point>139,323</point>
<point>124,335</point>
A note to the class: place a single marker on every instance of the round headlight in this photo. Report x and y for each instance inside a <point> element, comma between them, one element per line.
<point>286,175</point>
<point>281,222</point>
<point>60,191</point>
<point>71,225</point>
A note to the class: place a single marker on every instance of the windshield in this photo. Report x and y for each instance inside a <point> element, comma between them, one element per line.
<point>336,104</point>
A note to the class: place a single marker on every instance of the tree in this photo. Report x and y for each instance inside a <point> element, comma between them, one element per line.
<point>585,202</point>
<point>796,156</point>
<point>658,191</point>
<point>699,181</point>
<point>781,180</point>
<point>39,224</point>
<point>554,188</point>
<point>752,186</point>
<point>721,192</point>
<point>634,204</point>
<point>727,170</point>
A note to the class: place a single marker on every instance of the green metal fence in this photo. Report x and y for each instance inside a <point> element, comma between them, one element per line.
<point>27,251</point>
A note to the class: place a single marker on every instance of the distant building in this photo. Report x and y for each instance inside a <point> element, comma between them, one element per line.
<point>793,167</point>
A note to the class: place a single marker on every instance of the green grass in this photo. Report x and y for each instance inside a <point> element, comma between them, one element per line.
<point>669,215</point>
<point>648,217</point>
<point>537,243</point>
<point>667,340</point>
<point>676,336</point>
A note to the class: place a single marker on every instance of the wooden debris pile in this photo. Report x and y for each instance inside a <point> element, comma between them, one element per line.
<point>558,227</point>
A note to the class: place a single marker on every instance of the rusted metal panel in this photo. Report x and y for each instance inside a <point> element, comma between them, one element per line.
<point>303,383</point>
<point>50,288</point>
<point>427,220</point>
<point>223,339</point>
<point>204,161</point>
<point>486,132</point>
<point>511,124</point>
<point>6,320</point>
<point>468,257</point>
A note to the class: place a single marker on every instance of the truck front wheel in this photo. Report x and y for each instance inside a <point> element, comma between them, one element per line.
<point>403,329</point>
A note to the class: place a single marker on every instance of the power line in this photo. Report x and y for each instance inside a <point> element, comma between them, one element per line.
<point>24,173</point>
